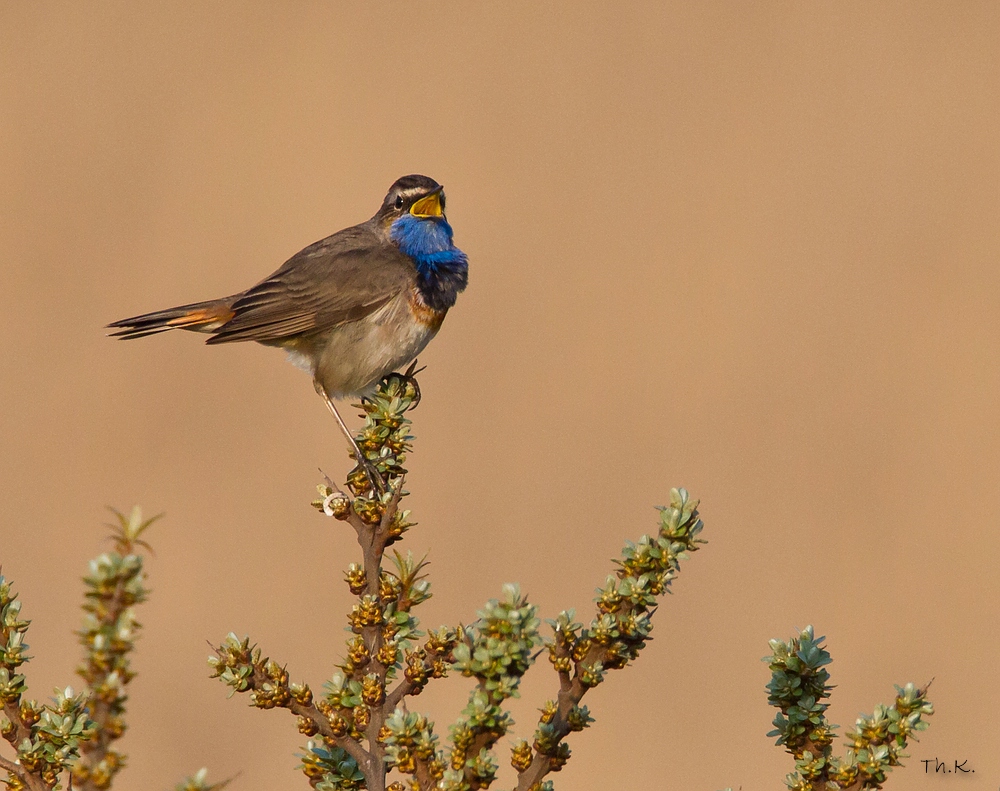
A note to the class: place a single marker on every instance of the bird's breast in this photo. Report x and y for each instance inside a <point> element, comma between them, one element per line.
<point>351,358</point>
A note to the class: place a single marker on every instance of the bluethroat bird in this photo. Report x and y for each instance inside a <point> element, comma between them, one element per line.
<point>350,308</point>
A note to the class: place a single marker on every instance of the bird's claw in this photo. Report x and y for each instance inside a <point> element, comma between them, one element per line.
<point>410,375</point>
<point>370,471</point>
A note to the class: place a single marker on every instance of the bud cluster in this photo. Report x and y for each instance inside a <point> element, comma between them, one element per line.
<point>409,741</point>
<point>582,655</point>
<point>46,737</point>
<point>799,689</point>
<point>357,704</point>
<point>361,721</point>
<point>330,768</point>
<point>240,666</point>
<point>115,584</point>
<point>497,651</point>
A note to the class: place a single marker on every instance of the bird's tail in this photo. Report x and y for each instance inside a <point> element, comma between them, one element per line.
<point>199,317</point>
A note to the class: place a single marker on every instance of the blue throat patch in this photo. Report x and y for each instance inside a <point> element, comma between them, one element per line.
<point>442,269</point>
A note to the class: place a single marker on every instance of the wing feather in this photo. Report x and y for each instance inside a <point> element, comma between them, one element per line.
<point>340,279</point>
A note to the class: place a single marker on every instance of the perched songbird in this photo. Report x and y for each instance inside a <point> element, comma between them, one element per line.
<point>350,308</point>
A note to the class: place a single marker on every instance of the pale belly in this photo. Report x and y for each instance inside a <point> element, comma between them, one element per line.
<point>349,360</point>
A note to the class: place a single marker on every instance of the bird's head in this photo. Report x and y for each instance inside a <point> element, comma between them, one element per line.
<point>415,196</point>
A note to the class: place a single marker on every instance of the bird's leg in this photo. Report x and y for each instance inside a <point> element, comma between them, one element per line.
<point>378,485</point>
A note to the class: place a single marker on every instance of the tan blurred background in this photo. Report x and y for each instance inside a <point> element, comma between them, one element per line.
<point>750,249</point>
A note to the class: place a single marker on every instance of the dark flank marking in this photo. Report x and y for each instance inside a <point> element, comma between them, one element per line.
<point>425,315</point>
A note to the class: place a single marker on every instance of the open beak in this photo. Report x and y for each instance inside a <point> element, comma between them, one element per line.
<point>429,206</point>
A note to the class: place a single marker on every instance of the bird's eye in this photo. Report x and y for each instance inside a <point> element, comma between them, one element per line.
<point>399,201</point>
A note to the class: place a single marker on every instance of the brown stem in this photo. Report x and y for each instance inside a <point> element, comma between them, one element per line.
<point>373,540</point>
<point>11,767</point>
<point>406,687</point>
<point>401,690</point>
<point>568,698</point>
<point>317,718</point>
<point>32,781</point>
<point>21,731</point>
<point>347,744</point>
<point>423,776</point>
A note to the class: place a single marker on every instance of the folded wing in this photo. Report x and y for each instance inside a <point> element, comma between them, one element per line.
<point>340,279</point>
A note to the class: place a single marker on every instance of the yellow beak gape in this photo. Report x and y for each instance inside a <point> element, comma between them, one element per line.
<point>429,206</point>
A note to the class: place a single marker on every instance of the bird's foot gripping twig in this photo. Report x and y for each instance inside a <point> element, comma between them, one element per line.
<point>365,476</point>
<point>410,384</point>
<point>381,445</point>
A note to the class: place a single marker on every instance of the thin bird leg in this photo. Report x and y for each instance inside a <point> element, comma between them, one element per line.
<point>376,480</point>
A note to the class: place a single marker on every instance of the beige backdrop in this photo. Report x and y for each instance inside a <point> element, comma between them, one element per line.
<point>750,249</point>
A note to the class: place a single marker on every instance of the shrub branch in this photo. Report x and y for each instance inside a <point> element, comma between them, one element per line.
<point>361,728</point>
<point>116,583</point>
<point>799,690</point>
<point>621,628</point>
